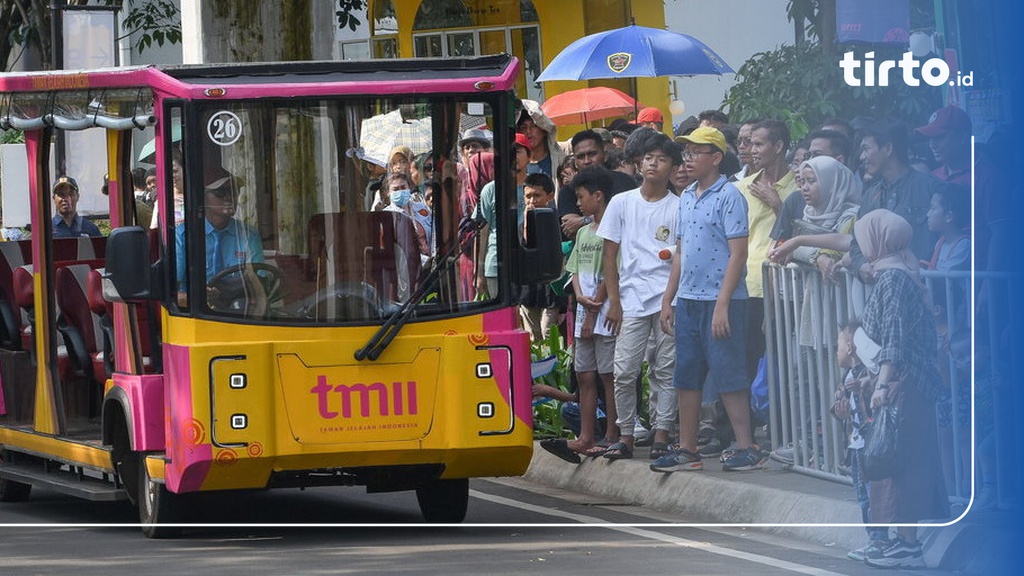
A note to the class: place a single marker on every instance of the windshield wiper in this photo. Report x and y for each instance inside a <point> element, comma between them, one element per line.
<point>386,333</point>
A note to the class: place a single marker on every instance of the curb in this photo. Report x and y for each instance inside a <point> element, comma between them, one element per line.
<point>715,497</point>
<point>704,497</point>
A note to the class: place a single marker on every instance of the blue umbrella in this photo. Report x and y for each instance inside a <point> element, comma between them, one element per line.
<point>633,52</point>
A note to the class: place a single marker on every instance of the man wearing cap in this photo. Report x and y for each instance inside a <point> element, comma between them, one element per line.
<point>651,118</point>
<point>68,223</point>
<point>949,137</point>
<point>228,241</point>
<point>704,305</point>
<point>545,153</point>
<point>473,140</point>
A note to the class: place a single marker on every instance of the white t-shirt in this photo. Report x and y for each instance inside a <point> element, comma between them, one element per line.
<point>642,229</point>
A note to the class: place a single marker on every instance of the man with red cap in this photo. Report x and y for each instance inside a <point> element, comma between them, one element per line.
<point>949,137</point>
<point>651,118</point>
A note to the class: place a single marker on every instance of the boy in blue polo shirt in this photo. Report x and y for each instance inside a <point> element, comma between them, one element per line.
<point>709,319</point>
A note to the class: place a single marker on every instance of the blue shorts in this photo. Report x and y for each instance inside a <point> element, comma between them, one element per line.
<point>698,354</point>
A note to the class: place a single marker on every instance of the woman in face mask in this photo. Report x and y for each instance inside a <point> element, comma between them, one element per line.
<point>398,186</point>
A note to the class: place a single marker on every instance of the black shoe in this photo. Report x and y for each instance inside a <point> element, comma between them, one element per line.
<point>898,554</point>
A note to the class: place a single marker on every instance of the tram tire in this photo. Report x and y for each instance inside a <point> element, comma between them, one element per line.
<point>157,506</point>
<point>11,491</point>
<point>444,501</point>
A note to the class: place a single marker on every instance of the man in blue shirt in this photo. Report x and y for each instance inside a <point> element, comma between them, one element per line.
<point>68,223</point>
<point>228,242</point>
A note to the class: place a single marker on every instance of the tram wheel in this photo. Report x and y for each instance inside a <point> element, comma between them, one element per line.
<point>157,506</point>
<point>12,491</point>
<point>444,501</point>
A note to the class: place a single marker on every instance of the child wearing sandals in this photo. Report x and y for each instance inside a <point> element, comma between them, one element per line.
<point>594,343</point>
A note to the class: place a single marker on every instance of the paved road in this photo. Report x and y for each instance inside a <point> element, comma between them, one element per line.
<point>387,540</point>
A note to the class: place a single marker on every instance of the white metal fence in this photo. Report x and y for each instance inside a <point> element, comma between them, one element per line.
<point>803,312</point>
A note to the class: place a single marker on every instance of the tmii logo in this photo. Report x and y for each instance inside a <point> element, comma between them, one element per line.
<point>399,400</point>
<point>934,71</point>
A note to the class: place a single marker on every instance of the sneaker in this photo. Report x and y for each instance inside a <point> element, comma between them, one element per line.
<point>898,554</point>
<point>678,461</point>
<point>745,459</point>
<point>706,436</point>
<point>872,547</point>
<point>710,450</point>
<point>985,499</point>
<point>785,454</point>
<point>728,452</point>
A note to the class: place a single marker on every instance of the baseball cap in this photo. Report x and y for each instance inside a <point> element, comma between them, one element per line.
<point>475,135</point>
<point>65,181</point>
<point>216,178</point>
<point>944,120</point>
<point>649,115</point>
<point>705,135</point>
<point>521,140</point>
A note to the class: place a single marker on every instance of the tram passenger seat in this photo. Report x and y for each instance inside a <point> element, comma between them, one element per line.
<point>13,255</point>
<point>379,248</point>
<point>79,325</point>
<point>24,302</point>
<point>148,325</point>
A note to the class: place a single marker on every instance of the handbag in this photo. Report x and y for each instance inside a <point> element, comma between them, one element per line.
<point>881,457</point>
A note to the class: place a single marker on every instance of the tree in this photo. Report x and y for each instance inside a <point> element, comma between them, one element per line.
<point>803,84</point>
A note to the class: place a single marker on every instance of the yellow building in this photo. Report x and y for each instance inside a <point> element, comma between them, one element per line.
<point>535,31</point>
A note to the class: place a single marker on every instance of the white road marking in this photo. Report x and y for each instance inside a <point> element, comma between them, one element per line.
<point>652,535</point>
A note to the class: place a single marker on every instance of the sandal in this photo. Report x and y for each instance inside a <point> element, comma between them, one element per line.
<point>659,449</point>
<point>594,451</point>
<point>619,451</point>
<point>560,447</point>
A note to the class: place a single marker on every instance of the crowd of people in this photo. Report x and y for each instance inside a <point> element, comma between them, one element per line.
<point>668,236</point>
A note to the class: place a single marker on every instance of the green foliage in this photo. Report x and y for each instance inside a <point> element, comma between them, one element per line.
<point>804,86</point>
<point>12,137</point>
<point>157,20</point>
<point>345,15</point>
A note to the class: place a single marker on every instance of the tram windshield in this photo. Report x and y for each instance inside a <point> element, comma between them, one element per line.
<point>325,210</point>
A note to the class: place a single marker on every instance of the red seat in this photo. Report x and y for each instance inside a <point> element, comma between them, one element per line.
<point>83,336</point>
<point>13,322</point>
<point>379,248</point>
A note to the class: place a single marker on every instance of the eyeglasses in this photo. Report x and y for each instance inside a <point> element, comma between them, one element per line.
<point>692,154</point>
<point>428,167</point>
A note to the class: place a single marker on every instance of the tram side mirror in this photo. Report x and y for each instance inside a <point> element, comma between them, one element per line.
<point>540,252</point>
<point>129,274</point>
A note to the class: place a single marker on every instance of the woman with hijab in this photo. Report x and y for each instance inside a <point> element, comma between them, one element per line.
<point>829,190</point>
<point>897,318</point>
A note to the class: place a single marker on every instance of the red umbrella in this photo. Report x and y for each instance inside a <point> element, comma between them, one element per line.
<point>588,104</point>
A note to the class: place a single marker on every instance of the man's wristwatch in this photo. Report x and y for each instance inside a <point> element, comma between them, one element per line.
<point>587,220</point>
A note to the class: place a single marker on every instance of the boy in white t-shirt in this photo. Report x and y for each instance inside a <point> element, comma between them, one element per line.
<point>594,344</point>
<point>639,228</point>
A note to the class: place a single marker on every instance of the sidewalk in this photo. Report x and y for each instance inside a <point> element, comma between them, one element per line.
<point>774,495</point>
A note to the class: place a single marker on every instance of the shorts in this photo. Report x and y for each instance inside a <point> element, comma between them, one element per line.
<point>594,353</point>
<point>698,354</point>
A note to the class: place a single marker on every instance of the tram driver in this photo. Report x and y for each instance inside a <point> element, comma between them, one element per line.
<point>229,244</point>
